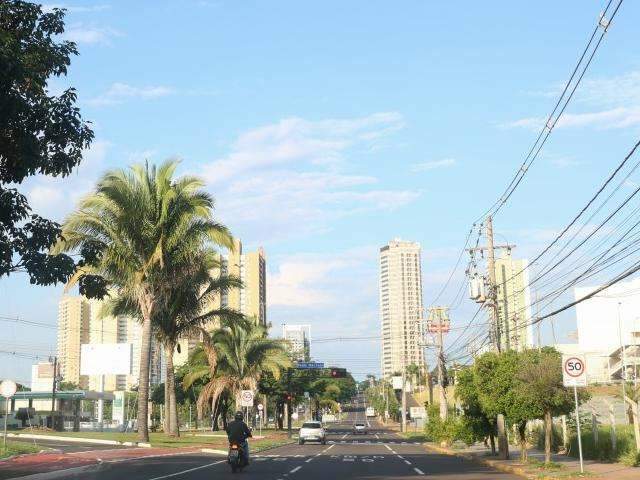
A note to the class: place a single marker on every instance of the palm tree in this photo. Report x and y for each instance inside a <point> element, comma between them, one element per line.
<point>238,354</point>
<point>186,310</point>
<point>183,309</point>
<point>136,223</point>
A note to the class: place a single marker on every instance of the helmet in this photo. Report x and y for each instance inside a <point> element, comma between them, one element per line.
<point>238,416</point>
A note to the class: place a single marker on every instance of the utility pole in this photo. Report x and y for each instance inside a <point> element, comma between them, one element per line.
<point>438,322</point>
<point>491,266</point>
<point>492,294</point>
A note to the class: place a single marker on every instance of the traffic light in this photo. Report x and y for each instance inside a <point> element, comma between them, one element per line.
<point>338,372</point>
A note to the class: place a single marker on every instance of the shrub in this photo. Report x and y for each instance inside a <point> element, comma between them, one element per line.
<point>454,428</point>
<point>625,444</point>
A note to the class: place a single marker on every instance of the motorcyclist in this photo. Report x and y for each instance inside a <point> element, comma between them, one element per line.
<point>238,432</point>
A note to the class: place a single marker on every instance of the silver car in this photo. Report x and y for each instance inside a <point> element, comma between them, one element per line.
<point>312,432</point>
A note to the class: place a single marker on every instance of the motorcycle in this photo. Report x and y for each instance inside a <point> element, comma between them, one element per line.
<point>236,458</point>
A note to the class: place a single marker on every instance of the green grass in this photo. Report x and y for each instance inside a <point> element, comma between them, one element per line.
<point>17,448</point>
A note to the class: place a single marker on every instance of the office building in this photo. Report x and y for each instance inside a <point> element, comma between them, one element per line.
<point>250,300</point>
<point>74,314</point>
<point>401,306</point>
<point>514,303</point>
<point>298,339</point>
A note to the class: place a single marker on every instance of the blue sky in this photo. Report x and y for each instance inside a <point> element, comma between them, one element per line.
<point>325,129</point>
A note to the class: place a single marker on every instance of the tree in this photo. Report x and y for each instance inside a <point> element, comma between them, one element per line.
<point>541,389</point>
<point>136,223</point>
<point>40,133</point>
<point>244,354</point>
<point>480,424</point>
<point>494,379</point>
<point>184,308</point>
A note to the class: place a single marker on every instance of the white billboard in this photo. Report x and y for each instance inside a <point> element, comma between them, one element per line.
<point>105,359</point>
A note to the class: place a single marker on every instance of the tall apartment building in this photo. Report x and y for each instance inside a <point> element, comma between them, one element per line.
<point>401,306</point>
<point>80,322</point>
<point>514,303</point>
<point>74,315</point>
<point>251,300</point>
<point>298,339</point>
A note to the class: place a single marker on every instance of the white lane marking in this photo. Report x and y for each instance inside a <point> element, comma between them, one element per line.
<point>189,470</point>
<point>407,462</point>
<point>307,461</point>
<point>418,471</point>
<point>144,457</point>
<point>388,447</point>
<point>345,435</point>
<point>394,452</point>
<point>377,436</point>
<point>295,469</point>
<point>400,456</point>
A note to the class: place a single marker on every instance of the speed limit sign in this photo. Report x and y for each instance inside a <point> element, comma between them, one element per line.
<point>574,371</point>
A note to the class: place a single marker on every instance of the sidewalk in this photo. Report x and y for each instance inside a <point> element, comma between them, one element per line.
<point>569,466</point>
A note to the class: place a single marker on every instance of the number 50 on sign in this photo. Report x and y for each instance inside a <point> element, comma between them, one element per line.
<point>574,371</point>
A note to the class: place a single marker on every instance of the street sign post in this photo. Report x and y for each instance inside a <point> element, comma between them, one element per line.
<point>309,365</point>
<point>7,390</point>
<point>246,398</point>
<point>260,416</point>
<point>574,374</point>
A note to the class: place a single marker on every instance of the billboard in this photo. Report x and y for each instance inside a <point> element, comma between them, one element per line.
<point>105,359</point>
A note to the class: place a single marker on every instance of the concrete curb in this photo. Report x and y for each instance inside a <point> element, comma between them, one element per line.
<point>94,441</point>
<point>496,465</point>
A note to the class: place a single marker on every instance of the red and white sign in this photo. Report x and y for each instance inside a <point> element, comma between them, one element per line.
<point>246,398</point>
<point>574,371</point>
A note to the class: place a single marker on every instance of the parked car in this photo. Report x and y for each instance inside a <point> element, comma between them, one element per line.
<point>359,427</point>
<point>312,432</point>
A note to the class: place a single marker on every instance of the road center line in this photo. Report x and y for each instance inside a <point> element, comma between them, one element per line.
<point>188,471</point>
<point>295,469</point>
<point>418,471</point>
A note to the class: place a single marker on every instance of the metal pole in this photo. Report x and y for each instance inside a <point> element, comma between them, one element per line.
<point>575,395</point>
<point>6,402</point>
<point>404,400</point>
<point>53,390</point>
<point>624,360</point>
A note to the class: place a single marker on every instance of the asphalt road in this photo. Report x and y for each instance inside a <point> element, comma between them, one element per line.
<point>379,454</point>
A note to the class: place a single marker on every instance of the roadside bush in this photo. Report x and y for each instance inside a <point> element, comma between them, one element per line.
<point>625,444</point>
<point>454,428</point>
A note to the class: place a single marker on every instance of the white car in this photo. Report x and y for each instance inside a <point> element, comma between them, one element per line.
<point>312,432</point>
<point>359,428</point>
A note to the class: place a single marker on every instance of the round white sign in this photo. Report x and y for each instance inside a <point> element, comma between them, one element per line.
<point>574,367</point>
<point>8,388</point>
<point>260,407</point>
<point>246,398</point>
